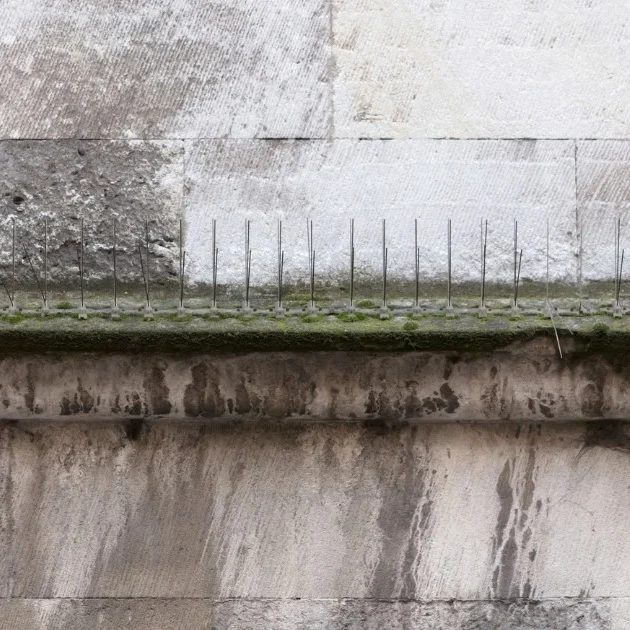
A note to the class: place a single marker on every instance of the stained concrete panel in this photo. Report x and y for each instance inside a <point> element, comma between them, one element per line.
<point>133,182</point>
<point>441,68</point>
<point>317,511</point>
<point>526,382</point>
<point>603,185</point>
<point>559,614</point>
<point>311,614</point>
<point>159,68</point>
<point>332,182</point>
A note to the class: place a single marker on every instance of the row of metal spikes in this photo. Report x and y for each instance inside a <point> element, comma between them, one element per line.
<point>144,259</point>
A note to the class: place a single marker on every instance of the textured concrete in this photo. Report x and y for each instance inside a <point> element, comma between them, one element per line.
<point>132,181</point>
<point>523,382</point>
<point>107,614</point>
<point>375,615</point>
<point>334,181</point>
<point>314,511</point>
<point>312,614</point>
<point>603,187</point>
<point>158,68</point>
<point>441,68</point>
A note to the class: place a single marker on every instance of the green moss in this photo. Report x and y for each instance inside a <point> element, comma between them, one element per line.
<point>64,305</point>
<point>352,317</point>
<point>367,304</point>
<point>411,325</point>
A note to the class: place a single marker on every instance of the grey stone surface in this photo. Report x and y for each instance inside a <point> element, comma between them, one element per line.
<point>334,181</point>
<point>158,68</point>
<point>106,614</point>
<point>343,614</point>
<point>315,511</point>
<point>558,614</point>
<point>132,181</point>
<point>526,382</point>
<point>497,68</point>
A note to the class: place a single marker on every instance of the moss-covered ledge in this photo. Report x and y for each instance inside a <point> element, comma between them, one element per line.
<point>167,333</point>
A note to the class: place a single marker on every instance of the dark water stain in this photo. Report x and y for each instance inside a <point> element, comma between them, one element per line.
<point>203,397</point>
<point>506,500</point>
<point>80,402</point>
<point>155,386</point>
<point>29,396</point>
<point>133,406</point>
<point>606,434</point>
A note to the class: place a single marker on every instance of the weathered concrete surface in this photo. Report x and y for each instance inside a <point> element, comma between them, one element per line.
<point>342,614</point>
<point>523,382</point>
<point>491,69</point>
<point>107,614</point>
<point>160,69</point>
<point>131,181</point>
<point>334,181</point>
<point>315,511</point>
<point>603,188</point>
<point>552,614</point>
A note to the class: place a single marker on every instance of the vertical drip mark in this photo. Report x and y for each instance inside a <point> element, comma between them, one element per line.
<point>115,269</point>
<point>449,240</point>
<point>417,265</point>
<point>351,264</point>
<point>215,259</point>
<point>46,263</point>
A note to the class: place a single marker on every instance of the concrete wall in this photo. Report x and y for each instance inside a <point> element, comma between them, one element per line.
<point>326,109</point>
<point>314,526</point>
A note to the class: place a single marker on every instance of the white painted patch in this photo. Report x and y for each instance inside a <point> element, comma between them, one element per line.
<point>334,181</point>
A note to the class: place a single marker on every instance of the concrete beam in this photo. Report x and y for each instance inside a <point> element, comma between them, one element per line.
<point>522,382</point>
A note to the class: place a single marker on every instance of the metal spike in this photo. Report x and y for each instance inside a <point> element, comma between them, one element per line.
<point>417,265</point>
<point>32,268</point>
<point>248,263</point>
<point>518,278</point>
<point>115,270</point>
<point>279,309</point>
<point>215,257</point>
<point>449,239</point>
<point>144,276</point>
<point>13,287</point>
<point>547,258</point>
<point>313,308</point>
<point>619,278</point>
<point>146,230</point>
<point>46,263</point>
<point>351,264</point>
<point>515,256</point>
<point>580,262</point>
<point>384,305</point>
<point>182,258</point>
<point>483,267</point>
<point>81,266</point>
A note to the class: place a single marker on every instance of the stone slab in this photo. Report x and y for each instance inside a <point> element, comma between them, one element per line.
<point>332,182</point>
<point>157,68</point>
<point>603,180</point>
<point>64,181</point>
<point>106,614</point>
<point>316,511</point>
<point>441,68</point>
